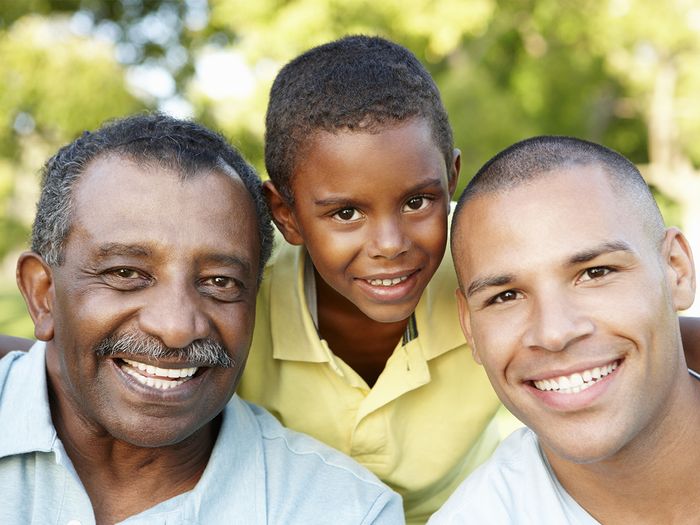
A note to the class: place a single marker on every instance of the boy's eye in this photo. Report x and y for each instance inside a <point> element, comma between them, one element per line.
<point>416,203</point>
<point>594,273</point>
<point>347,214</point>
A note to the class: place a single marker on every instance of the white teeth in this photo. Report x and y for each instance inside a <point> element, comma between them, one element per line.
<point>162,384</point>
<point>577,381</point>
<point>162,372</point>
<point>387,282</point>
<point>161,378</point>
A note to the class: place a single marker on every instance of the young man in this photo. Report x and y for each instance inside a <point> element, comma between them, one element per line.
<point>569,288</point>
<point>147,250</point>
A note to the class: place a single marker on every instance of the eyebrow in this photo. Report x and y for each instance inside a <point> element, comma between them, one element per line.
<point>113,249</point>
<point>229,260</point>
<point>485,282</point>
<point>591,253</point>
<point>580,257</point>
<point>342,200</point>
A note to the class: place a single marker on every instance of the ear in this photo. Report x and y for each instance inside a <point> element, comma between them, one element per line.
<point>282,214</point>
<point>680,268</point>
<point>465,322</point>
<point>453,175</point>
<point>35,281</point>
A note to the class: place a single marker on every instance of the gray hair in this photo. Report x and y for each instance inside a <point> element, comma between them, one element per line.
<point>183,146</point>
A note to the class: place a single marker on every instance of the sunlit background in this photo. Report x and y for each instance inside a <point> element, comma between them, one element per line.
<point>625,73</point>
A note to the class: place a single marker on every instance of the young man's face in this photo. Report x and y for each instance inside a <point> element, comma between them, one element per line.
<point>570,305</point>
<point>149,255</point>
<point>371,209</point>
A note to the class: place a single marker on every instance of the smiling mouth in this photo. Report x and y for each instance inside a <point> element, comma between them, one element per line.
<point>576,382</point>
<point>387,282</point>
<point>157,377</point>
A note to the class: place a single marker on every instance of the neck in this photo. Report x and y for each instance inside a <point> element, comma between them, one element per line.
<point>650,478</point>
<point>363,343</point>
<point>122,479</point>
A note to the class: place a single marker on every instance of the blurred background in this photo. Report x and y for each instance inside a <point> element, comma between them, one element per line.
<point>625,73</point>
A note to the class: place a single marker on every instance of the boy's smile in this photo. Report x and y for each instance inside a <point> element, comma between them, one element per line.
<point>371,209</point>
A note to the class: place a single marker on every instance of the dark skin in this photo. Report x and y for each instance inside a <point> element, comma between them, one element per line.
<point>344,327</point>
<point>133,444</point>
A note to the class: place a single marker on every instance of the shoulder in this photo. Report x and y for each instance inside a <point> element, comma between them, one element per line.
<point>505,489</point>
<point>319,479</point>
<point>16,366</point>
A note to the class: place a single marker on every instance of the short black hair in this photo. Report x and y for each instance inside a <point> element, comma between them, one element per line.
<point>358,83</point>
<point>530,159</point>
<point>181,145</point>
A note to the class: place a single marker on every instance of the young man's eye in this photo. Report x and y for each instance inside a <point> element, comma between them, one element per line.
<point>416,203</point>
<point>347,214</point>
<point>504,297</point>
<point>594,273</point>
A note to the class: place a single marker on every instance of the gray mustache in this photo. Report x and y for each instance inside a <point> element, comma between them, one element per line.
<point>201,352</point>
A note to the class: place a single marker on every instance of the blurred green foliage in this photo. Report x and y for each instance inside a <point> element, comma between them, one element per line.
<point>621,72</point>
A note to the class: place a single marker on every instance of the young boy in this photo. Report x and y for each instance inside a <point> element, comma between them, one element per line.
<point>357,339</point>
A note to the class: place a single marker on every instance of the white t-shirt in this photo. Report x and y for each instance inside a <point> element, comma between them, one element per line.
<point>516,485</point>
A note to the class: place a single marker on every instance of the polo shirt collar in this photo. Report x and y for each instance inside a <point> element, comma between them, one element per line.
<point>25,416</point>
<point>294,335</point>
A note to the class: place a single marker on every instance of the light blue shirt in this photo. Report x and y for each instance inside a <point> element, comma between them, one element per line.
<point>258,473</point>
<point>516,485</point>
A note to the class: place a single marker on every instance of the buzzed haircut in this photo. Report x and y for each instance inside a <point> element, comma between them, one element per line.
<point>182,146</point>
<point>533,158</point>
<point>357,84</point>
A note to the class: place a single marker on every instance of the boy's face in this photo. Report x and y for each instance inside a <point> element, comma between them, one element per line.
<point>571,310</point>
<point>371,209</point>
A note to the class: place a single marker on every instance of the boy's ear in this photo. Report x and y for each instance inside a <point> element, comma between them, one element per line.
<point>35,281</point>
<point>465,322</point>
<point>453,175</point>
<point>282,214</point>
<point>680,268</point>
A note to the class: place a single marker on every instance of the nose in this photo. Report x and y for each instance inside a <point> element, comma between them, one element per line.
<point>174,313</point>
<point>555,322</point>
<point>388,239</point>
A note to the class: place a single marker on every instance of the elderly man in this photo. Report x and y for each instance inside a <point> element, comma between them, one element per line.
<point>569,288</point>
<point>147,250</point>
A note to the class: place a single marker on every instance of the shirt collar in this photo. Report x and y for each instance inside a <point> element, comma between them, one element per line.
<point>25,416</point>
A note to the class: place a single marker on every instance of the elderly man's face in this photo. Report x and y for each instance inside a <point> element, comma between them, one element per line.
<point>570,305</point>
<point>167,261</point>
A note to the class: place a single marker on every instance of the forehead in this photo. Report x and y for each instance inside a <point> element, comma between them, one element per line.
<point>545,221</point>
<point>356,161</point>
<point>120,201</point>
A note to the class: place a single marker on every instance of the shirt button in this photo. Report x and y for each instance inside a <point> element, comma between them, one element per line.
<point>74,522</point>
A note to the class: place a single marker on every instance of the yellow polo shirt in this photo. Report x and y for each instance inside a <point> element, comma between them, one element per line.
<point>428,421</point>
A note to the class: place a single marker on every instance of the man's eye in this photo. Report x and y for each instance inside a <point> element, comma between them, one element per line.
<point>416,203</point>
<point>347,214</point>
<point>222,282</point>
<point>126,273</point>
<point>126,279</point>
<point>594,273</point>
<point>504,297</point>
